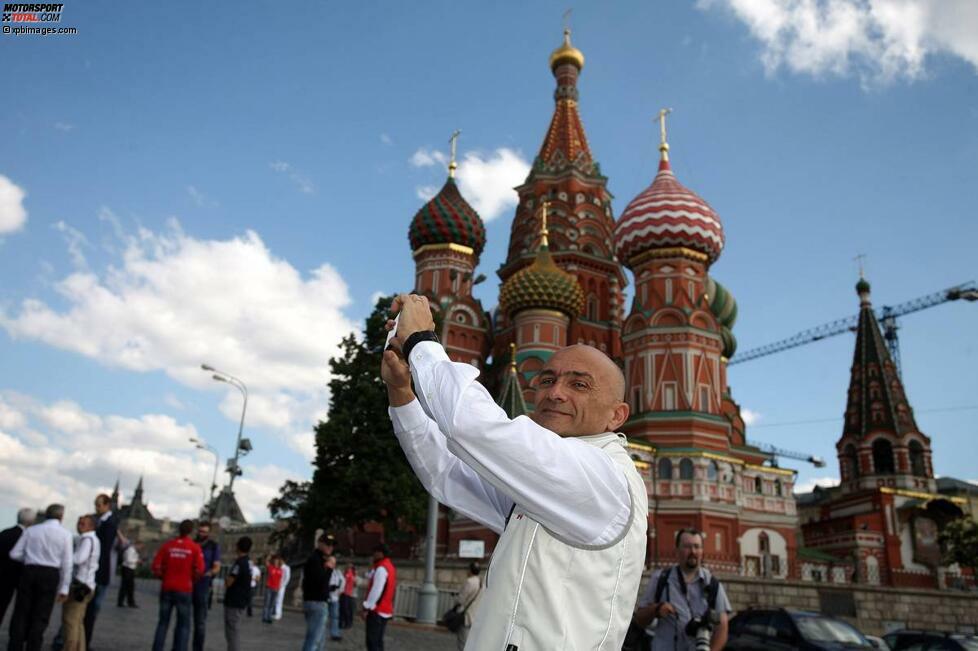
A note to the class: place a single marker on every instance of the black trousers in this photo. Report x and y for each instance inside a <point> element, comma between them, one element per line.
<point>347,606</point>
<point>375,631</point>
<point>8,586</point>
<point>127,590</point>
<point>36,593</point>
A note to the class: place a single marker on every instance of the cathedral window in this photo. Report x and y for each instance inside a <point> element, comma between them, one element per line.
<point>668,291</point>
<point>665,468</point>
<point>777,487</point>
<point>434,283</point>
<point>536,332</point>
<point>636,405</point>
<point>712,471</point>
<point>758,485</point>
<point>592,307</point>
<point>704,398</point>
<point>685,469</point>
<point>883,457</point>
<point>917,465</point>
<point>668,396</point>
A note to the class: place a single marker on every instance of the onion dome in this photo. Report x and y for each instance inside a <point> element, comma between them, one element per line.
<point>566,53</point>
<point>722,302</point>
<point>448,219</point>
<point>724,308</point>
<point>542,284</point>
<point>667,214</point>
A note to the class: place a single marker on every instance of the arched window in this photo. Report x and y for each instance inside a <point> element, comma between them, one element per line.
<point>712,470</point>
<point>758,485</point>
<point>665,468</point>
<point>882,457</point>
<point>851,460</point>
<point>685,469</point>
<point>592,307</point>
<point>777,487</point>
<point>917,465</point>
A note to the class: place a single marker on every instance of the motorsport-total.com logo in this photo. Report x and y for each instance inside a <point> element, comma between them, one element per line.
<point>27,19</point>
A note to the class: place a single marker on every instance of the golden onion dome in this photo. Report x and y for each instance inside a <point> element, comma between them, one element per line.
<point>542,285</point>
<point>567,53</point>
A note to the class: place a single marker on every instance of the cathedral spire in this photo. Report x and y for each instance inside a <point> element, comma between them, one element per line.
<point>452,165</point>
<point>660,117</point>
<point>565,144</point>
<point>877,401</point>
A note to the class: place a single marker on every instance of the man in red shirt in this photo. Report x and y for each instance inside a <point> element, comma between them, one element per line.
<point>179,563</point>
<point>273,583</point>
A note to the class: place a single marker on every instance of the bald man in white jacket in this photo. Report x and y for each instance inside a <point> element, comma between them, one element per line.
<point>560,487</point>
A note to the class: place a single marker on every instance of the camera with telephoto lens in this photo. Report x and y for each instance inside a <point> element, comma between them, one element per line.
<point>700,630</point>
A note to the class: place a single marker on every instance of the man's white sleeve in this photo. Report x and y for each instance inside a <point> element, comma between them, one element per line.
<point>443,474</point>
<point>571,487</point>
<point>66,550</point>
<point>377,588</point>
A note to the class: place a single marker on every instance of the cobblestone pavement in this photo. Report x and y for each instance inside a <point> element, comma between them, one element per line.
<point>126,629</point>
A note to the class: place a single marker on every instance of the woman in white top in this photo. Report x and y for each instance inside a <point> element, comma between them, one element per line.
<point>85,564</point>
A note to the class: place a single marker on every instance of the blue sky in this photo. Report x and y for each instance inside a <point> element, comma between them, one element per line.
<point>233,186</point>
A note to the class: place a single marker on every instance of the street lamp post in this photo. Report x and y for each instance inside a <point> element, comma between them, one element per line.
<point>202,488</point>
<point>233,469</point>
<point>202,445</point>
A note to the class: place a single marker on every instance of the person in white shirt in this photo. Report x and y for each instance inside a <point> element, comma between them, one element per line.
<point>130,561</point>
<point>255,578</point>
<point>286,577</point>
<point>82,589</point>
<point>468,602</point>
<point>560,486</point>
<point>46,552</point>
<point>336,584</point>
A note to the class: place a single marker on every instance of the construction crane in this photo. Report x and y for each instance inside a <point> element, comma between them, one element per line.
<point>886,315</point>
<point>775,452</point>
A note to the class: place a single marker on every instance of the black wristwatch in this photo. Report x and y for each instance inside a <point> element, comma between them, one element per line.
<point>415,339</point>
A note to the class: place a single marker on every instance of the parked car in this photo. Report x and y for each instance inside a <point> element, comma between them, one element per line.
<point>877,642</point>
<point>914,640</point>
<point>785,628</point>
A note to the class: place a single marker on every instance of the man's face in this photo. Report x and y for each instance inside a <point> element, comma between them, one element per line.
<point>690,551</point>
<point>204,532</point>
<point>84,524</point>
<point>578,393</point>
<point>377,556</point>
<point>101,507</point>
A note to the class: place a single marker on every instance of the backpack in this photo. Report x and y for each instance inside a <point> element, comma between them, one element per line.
<point>712,589</point>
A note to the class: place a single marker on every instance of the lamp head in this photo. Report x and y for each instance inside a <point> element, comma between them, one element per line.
<point>206,367</point>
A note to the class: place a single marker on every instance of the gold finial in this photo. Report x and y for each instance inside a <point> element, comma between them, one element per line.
<point>452,165</point>
<point>512,356</point>
<point>567,15</point>
<point>567,53</point>
<point>860,260</point>
<point>543,225</point>
<point>661,119</point>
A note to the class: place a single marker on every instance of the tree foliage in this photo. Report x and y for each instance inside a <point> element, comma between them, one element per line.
<point>361,474</point>
<point>960,542</point>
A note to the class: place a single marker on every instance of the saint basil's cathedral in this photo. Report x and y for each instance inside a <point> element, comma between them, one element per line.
<point>563,282</point>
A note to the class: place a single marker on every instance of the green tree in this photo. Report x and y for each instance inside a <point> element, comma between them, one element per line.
<point>959,540</point>
<point>361,474</point>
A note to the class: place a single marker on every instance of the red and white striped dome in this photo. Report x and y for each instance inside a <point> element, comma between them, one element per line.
<point>665,215</point>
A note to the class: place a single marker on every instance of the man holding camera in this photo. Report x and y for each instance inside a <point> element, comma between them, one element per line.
<point>559,487</point>
<point>685,604</point>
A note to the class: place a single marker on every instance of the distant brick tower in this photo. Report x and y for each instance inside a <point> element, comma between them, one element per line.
<point>580,224</point>
<point>885,516</point>
<point>447,237</point>
<point>676,341</point>
<point>880,444</point>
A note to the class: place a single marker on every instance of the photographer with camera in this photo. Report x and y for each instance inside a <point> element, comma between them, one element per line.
<point>684,605</point>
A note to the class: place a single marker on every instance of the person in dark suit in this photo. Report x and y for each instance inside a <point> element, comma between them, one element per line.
<point>9,568</point>
<point>106,530</point>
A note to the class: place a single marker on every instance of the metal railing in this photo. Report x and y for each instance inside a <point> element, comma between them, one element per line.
<point>406,600</point>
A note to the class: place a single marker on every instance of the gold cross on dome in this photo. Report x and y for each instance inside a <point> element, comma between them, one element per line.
<point>861,260</point>
<point>452,165</point>
<point>661,119</point>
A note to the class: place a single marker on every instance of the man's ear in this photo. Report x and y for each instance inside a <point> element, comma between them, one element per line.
<point>618,416</point>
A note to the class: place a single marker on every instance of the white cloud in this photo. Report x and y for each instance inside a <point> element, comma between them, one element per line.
<point>13,215</point>
<point>487,182</point>
<point>425,157</point>
<point>301,181</point>
<point>76,241</point>
<point>425,192</point>
<point>750,416</point>
<point>809,485</point>
<point>64,126</point>
<point>80,454</point>
<point>386,139</point>
<point>199,197</point>
<point>173,302</point>
<point>376,296</point>
<point>877,40</point>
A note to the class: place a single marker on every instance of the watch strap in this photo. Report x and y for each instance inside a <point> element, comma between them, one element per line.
<point>415,339</point>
